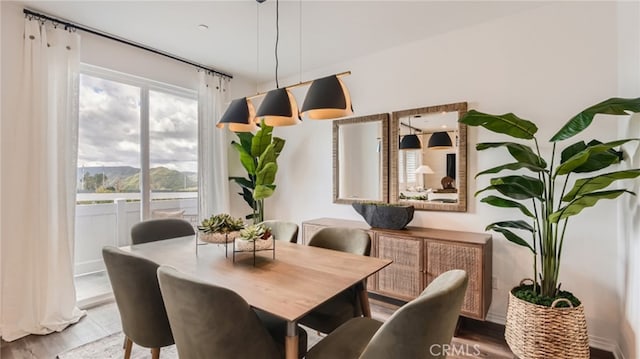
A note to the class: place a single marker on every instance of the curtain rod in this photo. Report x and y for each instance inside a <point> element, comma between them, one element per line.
<point>68,24</point>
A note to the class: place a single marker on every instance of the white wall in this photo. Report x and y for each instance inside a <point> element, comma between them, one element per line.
<point>544,64</point>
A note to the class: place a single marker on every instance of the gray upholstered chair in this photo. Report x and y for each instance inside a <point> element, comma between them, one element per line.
<point>419,329</point>
<point>142,312</point>
<point>347,304</point>
<point>159,229</point>
<point>214,322</point>
<point>283,231</point>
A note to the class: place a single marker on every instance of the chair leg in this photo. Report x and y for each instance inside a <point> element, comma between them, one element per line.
<point>127,348</point>
<point>155,353</point>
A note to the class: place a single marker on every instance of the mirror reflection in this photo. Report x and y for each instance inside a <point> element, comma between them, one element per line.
<point>429,159</point>
<point>360,159</point>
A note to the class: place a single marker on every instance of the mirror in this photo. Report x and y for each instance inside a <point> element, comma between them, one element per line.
<point>360,159</point>
<point>428,158</point>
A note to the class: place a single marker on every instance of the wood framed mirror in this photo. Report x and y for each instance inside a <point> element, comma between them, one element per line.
<point>428,158</point>
<point>360,159</point>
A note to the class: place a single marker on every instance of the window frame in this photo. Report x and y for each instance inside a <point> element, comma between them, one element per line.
<point>145,85</point>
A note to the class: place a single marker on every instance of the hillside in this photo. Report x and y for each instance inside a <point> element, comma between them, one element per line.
<point>127,179</point>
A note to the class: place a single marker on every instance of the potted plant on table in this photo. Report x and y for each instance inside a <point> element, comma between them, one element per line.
<point>220,228</point>
<point>255,236</point>
<point>542,320</point>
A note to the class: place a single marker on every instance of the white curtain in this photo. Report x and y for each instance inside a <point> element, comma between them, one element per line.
<point>39,181</point>
<point>213,173</point>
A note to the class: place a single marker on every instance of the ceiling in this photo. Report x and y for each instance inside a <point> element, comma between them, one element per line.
<point>330,31</point>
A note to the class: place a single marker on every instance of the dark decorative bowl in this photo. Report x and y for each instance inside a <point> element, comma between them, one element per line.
<point>384,215</point>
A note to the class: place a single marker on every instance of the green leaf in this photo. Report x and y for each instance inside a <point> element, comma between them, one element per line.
<point>508,124</point>
<point>518,187</point>
<point>511,166</point>
<point>262,192</point>
<point>519,224</point>
<point>247,195</point>
<point>588,185</point>
<point>581,158</point>
<point>267,175</point>
<point>595,162</point>
<point>243,182</point>
<point>519,151</point>
<point>268,156</point>
<point>514,238</point>
<point>612,106</point>
<point>587,200</point>
<point>248,162</point>
<point>245,140</point>
<point>261,140</point>
<point>507,203</point>
<point>278,145</point>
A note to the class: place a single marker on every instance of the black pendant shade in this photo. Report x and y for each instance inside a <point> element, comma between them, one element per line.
<point>326,99</point>
<point>279,108</point>
<point>239,117</point>
<point>439,140</point>
<point>410,142</point>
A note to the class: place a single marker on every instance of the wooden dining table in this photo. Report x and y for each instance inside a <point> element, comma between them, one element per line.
<point>299,279</point>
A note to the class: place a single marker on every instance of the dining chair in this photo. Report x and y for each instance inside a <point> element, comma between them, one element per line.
<point>142,311</point>
<point>283,230</point>
<point>209,321</point>
<point>349,303</point>
<point>422,328</point>
<point>158,229</point>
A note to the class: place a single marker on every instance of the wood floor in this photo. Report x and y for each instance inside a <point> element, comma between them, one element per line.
<point>104,320</point>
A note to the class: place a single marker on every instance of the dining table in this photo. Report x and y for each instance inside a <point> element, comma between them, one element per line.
<point>288,285</point>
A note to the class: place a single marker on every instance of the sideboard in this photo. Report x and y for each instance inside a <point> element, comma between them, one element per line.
<point>421,254</point>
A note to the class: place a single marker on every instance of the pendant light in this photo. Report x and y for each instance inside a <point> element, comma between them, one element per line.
<point>439,141</point>
<point>239,116</point>
<point>327,98</point>
<point>279,107</point>
<point>410,141</point>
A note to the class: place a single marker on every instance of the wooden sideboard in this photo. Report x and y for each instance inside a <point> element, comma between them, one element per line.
<point>421,254</point>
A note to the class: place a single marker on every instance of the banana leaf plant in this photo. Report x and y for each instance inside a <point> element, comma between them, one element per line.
<point>258,155</point>
<point>547,193</point>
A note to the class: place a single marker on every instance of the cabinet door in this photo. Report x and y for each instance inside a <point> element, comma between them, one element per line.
<point>308,230</point>
<point>402,279</point>
<point>444,256</point>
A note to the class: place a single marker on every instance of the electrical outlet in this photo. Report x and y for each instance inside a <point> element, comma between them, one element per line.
<point>494,282</point>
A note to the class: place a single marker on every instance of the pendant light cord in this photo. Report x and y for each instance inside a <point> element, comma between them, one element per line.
<point>277,39</point>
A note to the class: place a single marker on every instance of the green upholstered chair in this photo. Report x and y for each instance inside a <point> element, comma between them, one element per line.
<point>419,329</point>
<point>283,231</point>
<point>137,294</point>
<point>159,229</point>
<point>347,304</point>
<point>209,321</point>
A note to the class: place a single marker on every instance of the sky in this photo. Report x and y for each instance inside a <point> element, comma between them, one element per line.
<point>109,131</point>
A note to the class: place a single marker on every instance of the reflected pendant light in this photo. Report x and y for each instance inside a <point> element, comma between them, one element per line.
<point>239,117</point>
<point>279,108</point>
<point>327,98</point>
<point>439,141</point>
<point>410,142</point>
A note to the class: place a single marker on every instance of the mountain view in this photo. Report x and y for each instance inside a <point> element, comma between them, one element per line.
<point>127,179</point>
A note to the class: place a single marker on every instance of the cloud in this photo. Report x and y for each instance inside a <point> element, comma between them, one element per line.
<point>109,133</point>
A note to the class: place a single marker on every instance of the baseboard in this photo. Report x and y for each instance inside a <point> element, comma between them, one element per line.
<point>95,301</point>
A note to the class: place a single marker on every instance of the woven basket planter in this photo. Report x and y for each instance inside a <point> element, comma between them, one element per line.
<point>538,332</point>
<point>211,237</point>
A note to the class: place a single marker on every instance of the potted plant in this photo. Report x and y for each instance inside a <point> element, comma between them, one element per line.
<point>220,228</point>
<point>258,155</point>
<point>255,237</point>
<point>385,215</point>
<point>542,320</point>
